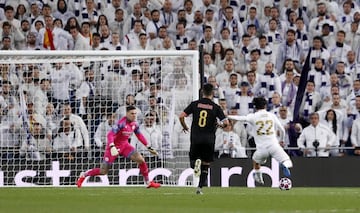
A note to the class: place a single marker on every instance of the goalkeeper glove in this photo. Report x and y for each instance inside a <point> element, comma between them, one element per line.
<point>152,151</point>
<point>113,150</point>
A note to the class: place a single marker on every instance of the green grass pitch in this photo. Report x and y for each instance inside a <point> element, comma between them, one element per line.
<point>176,199</point>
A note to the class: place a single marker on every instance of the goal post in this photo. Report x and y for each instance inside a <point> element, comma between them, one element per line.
<point>57,106</point>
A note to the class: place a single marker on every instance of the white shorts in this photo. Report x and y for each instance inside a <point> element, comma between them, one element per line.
<point>274,150</point>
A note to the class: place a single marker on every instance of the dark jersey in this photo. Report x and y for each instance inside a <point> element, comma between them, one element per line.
<point>205,113</point>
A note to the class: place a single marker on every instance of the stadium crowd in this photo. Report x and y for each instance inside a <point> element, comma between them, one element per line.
<point>251,48</point>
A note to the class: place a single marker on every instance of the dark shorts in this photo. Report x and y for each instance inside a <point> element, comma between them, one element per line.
<point>202,147</point>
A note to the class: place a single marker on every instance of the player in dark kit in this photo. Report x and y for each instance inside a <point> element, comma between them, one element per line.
<point>206,117</point>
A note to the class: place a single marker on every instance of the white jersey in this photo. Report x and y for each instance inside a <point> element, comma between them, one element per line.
<point>265,126</point>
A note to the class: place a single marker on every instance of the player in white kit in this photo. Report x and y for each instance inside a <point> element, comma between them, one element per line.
<point>265,126</point>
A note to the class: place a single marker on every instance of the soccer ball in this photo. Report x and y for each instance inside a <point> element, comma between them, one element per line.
<point>285,183</point>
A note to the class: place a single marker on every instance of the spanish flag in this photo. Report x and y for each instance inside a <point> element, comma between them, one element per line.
<point>48,40</point>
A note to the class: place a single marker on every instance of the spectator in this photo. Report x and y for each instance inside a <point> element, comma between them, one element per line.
<point>209,67</point>
<point>82,140</point>
<point>225,39</point>
<point>105,34</point>
<point>228,143</point>
<point>90,14</point>
<point>338,52</point>
<point>316,139</point>
<point>6,43</point>
<point>137,14</point>
<point>21,13</point>
<point>268,83</point>
<point>45,11</point>
<point>110,10</point>
<point>290,49</point>
<point>232,90</point>
<point>80,42</point>
<point>131,40</point>
<point>334,119</point>
<point>151,132</point>
<point>157,43</point>
<point>115,44</point>
<point>266,53</point>
<point>67,140</point>
<point>152,28</point>
<point>62,11</point>
<point>355,136</point>
<point>274,37</point>
<point>34,13</point>
<point>209,19</point>
<point>54,38</point>
<point>311,102</point>
<point>217,54</point>
<point>41,98</point>
<point>36,146</point>
<point>118,24</point>
<point>230,22</point>
<point>288,88</point>
<point>9,17</point>
<point>319,75</point>
<point>102,20</point>
<point>102,130</point>
<point>302,34</point>
<point>129,101</point>
<point>292,130</point>
<point>253,21</point>
<point>17,39</point>
<point>218,91</point>
<point>345,82</point>
<point>167,15</point>
<point>244,100</point>
<point>180,39</point>
<point>96,40</point>
<point>208,40</point>
<point>86,32</point>
<point>72,22</point>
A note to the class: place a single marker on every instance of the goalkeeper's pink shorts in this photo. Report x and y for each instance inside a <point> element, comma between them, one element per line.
<point>125,150</point>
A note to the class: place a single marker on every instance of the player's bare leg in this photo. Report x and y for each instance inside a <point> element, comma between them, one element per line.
<point>103,170</point>
<point>144,170</point>
<point>257,173</point>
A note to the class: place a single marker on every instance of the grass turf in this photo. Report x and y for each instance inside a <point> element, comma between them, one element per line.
<point>175,199</point>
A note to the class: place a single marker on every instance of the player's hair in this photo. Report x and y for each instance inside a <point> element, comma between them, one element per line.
<point>129,108</point>
<point>208,89</point>
<point>259,102</point>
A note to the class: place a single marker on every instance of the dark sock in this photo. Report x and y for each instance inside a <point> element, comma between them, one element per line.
<point>204,175</point>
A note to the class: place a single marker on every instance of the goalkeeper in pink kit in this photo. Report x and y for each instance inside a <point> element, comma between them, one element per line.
<point>117,144</point>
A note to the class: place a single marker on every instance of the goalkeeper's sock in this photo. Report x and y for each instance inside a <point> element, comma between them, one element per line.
<point>92,172</point>
<point>203,175</point>
<point>144,171</point>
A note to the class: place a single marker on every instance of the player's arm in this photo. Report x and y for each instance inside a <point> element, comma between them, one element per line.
<point>182,121</point>
<point>111,137</point>
<point>238,117</point>
<point>223,123</point>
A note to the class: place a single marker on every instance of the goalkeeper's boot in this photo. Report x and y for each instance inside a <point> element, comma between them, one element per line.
<point>286,171</point>
<point>258,177</point>
<point>197,168</point>
<point>198,191</point>
<point>80,179</point>
<point>153,184</point>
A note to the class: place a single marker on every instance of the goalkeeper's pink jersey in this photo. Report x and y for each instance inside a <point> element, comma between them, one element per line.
<point>122,131</point>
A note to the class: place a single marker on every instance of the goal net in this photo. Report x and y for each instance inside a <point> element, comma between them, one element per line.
<point>56,108</point>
